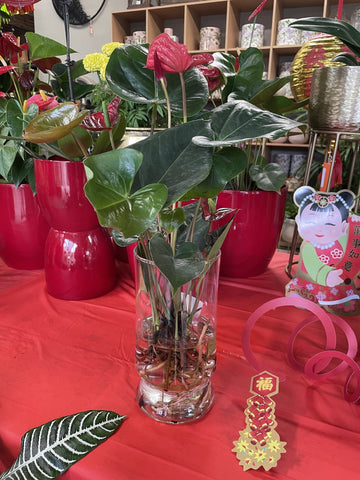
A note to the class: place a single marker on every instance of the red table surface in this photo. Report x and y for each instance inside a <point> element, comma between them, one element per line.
<point>61,357</point>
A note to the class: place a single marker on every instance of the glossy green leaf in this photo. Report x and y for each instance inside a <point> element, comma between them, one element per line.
<point>7,157</point>
<point>345,32</point>
<point>49,450</point>
<point>178,271</point>
<point>346,58</point>
<point>269,178</point>
<point>238,121</point>
<point>54,124</point>
<point>108,188</point>
<point>70,145</point>
<point>103,143</point>
<point>127,77</point>
<point>44,47</point>
<point>168,158</point>
<point>228,162</point>
<point>171,219</point>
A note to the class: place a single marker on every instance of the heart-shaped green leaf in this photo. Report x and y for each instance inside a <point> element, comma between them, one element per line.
<point>169,159</point>
<point>178,271</point>
<point>171,219</point>
<point>239,121</point>
<point>270,178</point>
<point>108,189</point>
<point>44,47</point>
<point>228,162</point>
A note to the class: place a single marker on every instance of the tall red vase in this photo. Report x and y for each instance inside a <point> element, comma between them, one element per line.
<point>79,255</point>
<point>255,231</point>
<point>23,228</point>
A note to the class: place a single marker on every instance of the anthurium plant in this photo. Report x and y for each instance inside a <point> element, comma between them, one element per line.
<point>241,78</point>
<point>160,193</point>
<point>139,191</point>
<point>24,95</point>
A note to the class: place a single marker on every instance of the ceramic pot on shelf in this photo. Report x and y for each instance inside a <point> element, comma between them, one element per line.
<point>23,228</point>
<point>79,255</point>
<point>255,231</point>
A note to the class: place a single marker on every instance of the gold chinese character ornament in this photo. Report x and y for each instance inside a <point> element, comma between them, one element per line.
<point>259,444</point>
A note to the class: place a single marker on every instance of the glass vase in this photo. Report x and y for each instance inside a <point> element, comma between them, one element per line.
<point>175,342</point>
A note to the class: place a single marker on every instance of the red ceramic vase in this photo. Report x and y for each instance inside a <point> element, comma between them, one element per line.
<point>255,231</point>
<point>79,255</point>
<point>23,228</point>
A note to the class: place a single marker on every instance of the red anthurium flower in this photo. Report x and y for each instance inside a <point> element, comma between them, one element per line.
<point>6,68</point>
<point>257,10</point>
<point>9,47</point>
<point>2,94</point>
<point>45,64</point>
<point>159,72</point>
<point>173,56</point>
<point>96,121</point>
<point>212,75</point>
<point>42,101</point>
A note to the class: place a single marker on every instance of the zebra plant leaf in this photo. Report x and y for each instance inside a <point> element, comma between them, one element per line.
<point>49,450</point>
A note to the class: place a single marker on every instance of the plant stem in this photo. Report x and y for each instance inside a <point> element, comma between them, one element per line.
<point>183,96</point>
<point>111,137</point>
<point>153,118</point>
<point>80,145</point>
<point>167,101</point>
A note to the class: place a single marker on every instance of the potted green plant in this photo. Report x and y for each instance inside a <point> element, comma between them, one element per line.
<point>160,195</point>
<point>22,94</point>
<point>258,192</point>
<point>334,99</point>
<point>92,271</point>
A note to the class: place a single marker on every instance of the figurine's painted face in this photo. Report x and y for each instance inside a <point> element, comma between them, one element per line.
<point>321,227</point>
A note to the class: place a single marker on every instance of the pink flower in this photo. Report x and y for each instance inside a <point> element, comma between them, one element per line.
<point>96,121</point>
<point>2,94</point>
<point>173,56</point>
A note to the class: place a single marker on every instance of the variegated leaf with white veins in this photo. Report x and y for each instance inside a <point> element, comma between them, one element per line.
<point>49,450</point>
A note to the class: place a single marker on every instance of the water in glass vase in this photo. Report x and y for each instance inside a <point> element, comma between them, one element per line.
<point>176,346</point>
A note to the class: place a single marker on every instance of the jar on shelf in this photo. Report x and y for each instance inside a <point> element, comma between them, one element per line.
<point>287,35</point>
<point>139,37</point>
<point>284,71</point>
<point>252,35</point>
<point>210,38</point>
<point>355,19</point>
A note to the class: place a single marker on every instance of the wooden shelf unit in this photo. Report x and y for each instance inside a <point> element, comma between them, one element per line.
<point>230,15</point>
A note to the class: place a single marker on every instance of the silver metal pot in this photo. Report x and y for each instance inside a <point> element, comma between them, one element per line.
<point>335,99</point>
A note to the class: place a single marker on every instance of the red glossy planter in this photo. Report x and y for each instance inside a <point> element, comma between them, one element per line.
<point>79,254</point>
<point>255,232</point>
<point>23,228</point>
<point>60,189</point>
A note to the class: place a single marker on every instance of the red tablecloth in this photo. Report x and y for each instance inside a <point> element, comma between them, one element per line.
<point>61,357</point>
